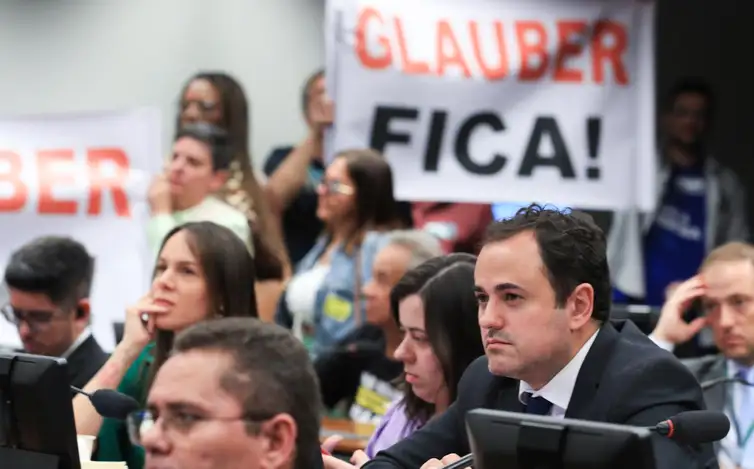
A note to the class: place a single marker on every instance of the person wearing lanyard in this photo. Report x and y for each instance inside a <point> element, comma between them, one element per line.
<point>725,288</point>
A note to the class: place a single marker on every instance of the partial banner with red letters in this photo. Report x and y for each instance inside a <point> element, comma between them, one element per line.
<point>504,100</point>
<point>84,176</point>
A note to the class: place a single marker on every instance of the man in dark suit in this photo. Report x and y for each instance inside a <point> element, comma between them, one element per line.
<point>724,290</point>
<point>543,288</point>
<point>48,282</point>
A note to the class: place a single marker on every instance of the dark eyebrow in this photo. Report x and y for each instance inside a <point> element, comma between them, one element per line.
<point>507,286</point>
<point>184,407</point>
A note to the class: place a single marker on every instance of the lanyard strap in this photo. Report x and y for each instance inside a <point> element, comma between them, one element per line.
<point>742,438</point>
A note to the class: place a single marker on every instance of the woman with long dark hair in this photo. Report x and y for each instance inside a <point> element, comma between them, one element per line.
<point>218,99</point>
<point>435,307</point>
<point>355,202</point>
<point>204,271</point>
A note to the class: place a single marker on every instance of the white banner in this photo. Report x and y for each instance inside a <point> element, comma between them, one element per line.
<point>85,176</point>
<point>506,100</point>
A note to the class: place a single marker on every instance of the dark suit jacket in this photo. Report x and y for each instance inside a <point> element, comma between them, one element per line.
<point>85,362</point>
<point>625,379</point>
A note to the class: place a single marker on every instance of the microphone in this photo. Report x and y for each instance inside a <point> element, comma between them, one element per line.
<point>724,380</point>
<point>109,403</point>
<point>692,427</point>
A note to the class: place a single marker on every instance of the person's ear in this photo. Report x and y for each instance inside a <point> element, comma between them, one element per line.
<point>580,306</point>
<point>219,178</point>
<point>279,445</point>
<point>83,310</point>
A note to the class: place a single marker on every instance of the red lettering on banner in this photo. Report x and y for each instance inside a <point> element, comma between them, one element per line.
<point>449,51</point>
<point>366,58</point>
<point>543,50</point>
<point>490,73</point>
<point>20,191</point>
<point>56,168</point>
<point>115,184</point>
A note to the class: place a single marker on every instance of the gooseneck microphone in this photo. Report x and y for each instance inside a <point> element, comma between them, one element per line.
<point>109,403</point>
<point>687,428</point>
<point>694,427</point>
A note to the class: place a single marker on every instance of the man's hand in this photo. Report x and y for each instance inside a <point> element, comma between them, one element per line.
<point>159,195</point>
<point>437,464</point>
<point>321,115</point>
<point>671,327</point>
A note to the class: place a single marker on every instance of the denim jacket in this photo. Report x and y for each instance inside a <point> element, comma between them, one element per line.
<point>334,314</point>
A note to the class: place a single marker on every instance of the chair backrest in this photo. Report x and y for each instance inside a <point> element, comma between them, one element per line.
<point>118,331</point>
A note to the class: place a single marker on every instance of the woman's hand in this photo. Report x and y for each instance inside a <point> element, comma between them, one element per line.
<point>139,328</point>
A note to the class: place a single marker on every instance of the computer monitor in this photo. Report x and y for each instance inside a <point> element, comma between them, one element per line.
<point>37,429</point>
<point>522,441</point>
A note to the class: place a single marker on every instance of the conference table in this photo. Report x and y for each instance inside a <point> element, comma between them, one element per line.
<point>355,435</point>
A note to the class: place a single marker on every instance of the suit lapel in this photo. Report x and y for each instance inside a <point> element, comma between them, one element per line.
<point>507,395</point>
<point>715,396</point>
<point>591,371</point>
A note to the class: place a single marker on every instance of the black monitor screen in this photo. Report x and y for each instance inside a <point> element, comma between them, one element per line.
<point>36,413</point>
<point>521,441</point>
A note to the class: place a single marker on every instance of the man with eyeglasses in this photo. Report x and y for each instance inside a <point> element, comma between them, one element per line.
<point>236,393</point>
<point>48,282</point>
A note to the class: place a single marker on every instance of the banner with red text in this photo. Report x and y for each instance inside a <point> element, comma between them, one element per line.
<point>84,176</point>
<point>505,100</point>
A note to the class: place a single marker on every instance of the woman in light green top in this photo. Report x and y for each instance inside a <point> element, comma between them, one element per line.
<point>203,271</point>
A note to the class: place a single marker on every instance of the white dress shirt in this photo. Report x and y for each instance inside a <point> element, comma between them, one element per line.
<point>85,334</point>
<point>559,389</point>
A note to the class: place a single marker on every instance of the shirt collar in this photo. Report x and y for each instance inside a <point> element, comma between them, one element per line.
<point>85,334</point>
<point>559,389</point>
<point>736,368</point>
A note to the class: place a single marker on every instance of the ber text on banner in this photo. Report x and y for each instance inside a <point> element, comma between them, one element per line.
<point>84,176</point>
<point>512,100</point>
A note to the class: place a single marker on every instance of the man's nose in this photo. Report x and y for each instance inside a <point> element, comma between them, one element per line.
<point>24,330</point>
<point>153,439</point>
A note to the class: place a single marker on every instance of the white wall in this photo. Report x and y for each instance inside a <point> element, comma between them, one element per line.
<point>68,55</point>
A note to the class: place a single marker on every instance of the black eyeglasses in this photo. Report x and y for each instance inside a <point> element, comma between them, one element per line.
<point>35,319</point>
<point>141,421</point>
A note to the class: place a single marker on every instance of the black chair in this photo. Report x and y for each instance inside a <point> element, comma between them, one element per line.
<point>118,331</point>
<point>645,317</point>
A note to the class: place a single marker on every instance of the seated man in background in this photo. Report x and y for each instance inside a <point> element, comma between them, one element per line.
<point>200,166</point>
<point>48,282</point>
<point>361,371</point>
<point>725,288</point>
<point>235,394</point>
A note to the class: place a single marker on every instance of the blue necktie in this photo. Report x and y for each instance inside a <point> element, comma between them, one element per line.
<point>745,411</point>
<point>537,405</point>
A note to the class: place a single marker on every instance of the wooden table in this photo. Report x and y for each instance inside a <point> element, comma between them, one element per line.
<point>355,435</point>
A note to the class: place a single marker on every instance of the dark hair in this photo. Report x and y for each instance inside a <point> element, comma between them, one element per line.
<point>691,85</point>
<point>215,138</point>
<point>306,89</point>
<point>228,274</point>
<point>270,254</point>
<point>572,247</point>
<point>272,375</point>
<point>446,287</point>
<point>57,267</point>
<point>376,207</point>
